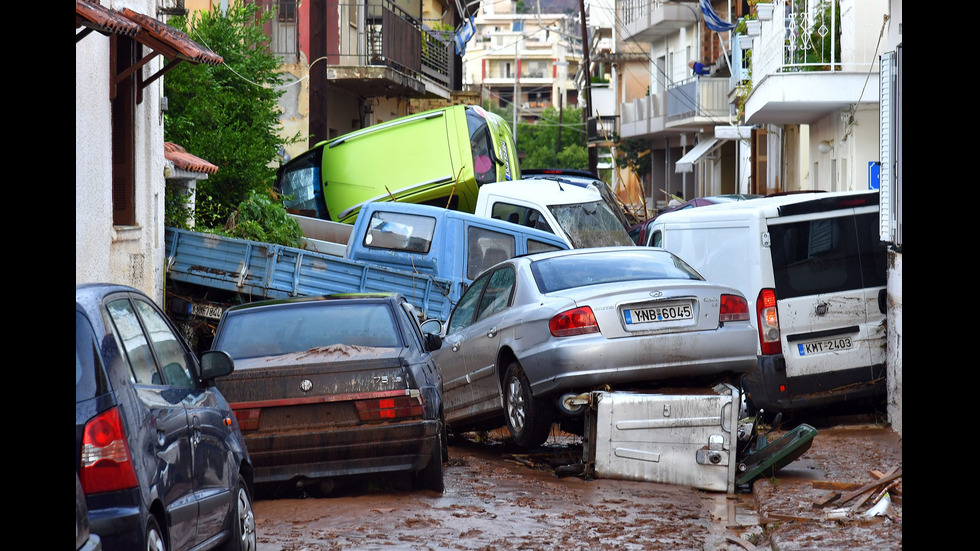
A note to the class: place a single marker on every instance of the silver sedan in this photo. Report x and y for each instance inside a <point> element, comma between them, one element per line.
<point>533,331</point>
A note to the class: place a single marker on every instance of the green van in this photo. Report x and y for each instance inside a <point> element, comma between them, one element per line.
<point>439,157</point>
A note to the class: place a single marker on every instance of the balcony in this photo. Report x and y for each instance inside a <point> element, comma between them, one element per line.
<point>696,104</point>
<point>799,71</point>
<point>647,20</point>
<point>380,50</point>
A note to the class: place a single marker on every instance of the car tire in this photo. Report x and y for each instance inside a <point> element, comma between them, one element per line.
<point>528,418</point>
<point>430,477</point>
<point>154,536</point>
<point>242,521</point>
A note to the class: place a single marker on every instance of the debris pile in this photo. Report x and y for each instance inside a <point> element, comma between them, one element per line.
<point>857,501</point>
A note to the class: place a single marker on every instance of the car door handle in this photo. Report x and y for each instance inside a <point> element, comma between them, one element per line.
<point>491,332</point>
<point>196,437</point>
<point>455,346</point>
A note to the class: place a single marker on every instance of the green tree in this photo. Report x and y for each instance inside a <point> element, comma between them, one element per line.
<point>227,114</point>
<point>539,141</point>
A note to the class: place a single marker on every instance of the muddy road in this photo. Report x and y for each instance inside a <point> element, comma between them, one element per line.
<point>501,497</point>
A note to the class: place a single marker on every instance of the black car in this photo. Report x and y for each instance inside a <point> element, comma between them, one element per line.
<point>159,453</point>
<point>333,388</point>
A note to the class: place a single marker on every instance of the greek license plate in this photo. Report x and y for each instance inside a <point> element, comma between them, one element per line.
<point>206,310</point>
<point>667,312</point>
<point>827,345</point>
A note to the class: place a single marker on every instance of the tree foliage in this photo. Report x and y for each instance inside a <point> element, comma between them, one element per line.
<point>227,114</point>
<point>539,141</point>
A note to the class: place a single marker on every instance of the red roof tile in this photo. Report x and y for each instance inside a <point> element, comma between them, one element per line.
<point>184,160</point>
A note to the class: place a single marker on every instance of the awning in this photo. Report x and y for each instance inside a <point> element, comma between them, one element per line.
<point>159,37</point>
<point>705,147</point>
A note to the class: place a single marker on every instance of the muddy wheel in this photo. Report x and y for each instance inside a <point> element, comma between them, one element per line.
<point>528,419</point>
<point>431,476</point>
<point>154,536</point>
<point>242,522</point>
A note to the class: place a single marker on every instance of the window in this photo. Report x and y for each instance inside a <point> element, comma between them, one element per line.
<point>485,248</point>
<point>170,352</point>
<point>497,295</point>
<point>286,11</point>
<point>517,214</point>
<point>124,55</point>
<point>148,342</point>
<point>535,246</point>
<point>466,309</point>
<point>402,232</point>
<point>299,183</point>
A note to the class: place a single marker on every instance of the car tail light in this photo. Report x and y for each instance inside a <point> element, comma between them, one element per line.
<point>106,464</point>
<point>382,409</point>
<point>734,308</point>
<point>248,419</point>
<point>578,321</point>
<point>765,306</point>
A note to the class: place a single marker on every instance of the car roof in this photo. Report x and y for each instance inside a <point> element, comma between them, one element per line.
<point>542,193</point>
<point>771,206</point>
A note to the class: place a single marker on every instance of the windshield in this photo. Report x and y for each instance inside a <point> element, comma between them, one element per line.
<point>591,224</point>
<point>274,331</point>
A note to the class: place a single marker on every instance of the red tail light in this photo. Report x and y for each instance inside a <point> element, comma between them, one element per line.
<point>734,308</point>
<point>106,464</point>
<point>578,321</point>
<point>382,409</point>
<point>765,307</point>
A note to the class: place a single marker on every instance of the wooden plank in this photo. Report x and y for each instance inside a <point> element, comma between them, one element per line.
<point>881,482</point>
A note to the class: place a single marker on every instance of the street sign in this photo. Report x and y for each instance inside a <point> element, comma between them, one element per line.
<point>874,174</point>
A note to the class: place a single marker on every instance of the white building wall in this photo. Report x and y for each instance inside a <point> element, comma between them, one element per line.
<point>131,255</point>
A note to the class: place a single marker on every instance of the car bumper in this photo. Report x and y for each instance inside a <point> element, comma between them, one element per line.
<point>117,527</point>
<point>768,387</point>
<point>586,361</point>
<point>342,452</point>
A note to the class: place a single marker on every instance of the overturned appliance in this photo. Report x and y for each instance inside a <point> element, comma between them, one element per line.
<point>691,439</point>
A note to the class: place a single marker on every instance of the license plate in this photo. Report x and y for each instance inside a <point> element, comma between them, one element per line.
<point>826,345</point>
<point>207,310</point>
<point>666,312</point>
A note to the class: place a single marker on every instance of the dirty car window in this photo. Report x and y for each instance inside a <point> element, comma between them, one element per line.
<point>274,331</point>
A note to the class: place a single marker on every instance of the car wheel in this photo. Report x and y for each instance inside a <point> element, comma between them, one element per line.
<point>154,537</point>
<point>528,418</point>
<point>431,476</point>
<point>242,521</point>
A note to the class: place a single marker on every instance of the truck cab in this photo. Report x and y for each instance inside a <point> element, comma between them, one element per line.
<point>580,216</point>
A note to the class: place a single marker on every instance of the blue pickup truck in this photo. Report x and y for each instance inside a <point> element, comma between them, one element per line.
<point>429,254</point>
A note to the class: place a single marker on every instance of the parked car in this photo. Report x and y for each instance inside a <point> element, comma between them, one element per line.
<point>533,332</point>
<point>814,270</point>
<point>158,451</point>
<point>641,232</point>
<point>85,540</point>
<point>334,387</point>
<point>583,179</point>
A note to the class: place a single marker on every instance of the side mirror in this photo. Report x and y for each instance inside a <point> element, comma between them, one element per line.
<point>216,363</point>
<point>431,326</point>
<point>433,342</point>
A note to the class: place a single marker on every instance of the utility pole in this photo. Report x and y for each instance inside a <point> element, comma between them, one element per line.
<point>319,122</point>
<point>587,109</point>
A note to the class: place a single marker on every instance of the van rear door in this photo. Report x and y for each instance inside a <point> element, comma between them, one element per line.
<point>829,269</point>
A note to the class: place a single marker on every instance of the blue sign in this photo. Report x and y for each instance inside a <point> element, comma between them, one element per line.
<point>874,175</point>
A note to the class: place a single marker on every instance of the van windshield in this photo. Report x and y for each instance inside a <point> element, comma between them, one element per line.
<point>591,224</point>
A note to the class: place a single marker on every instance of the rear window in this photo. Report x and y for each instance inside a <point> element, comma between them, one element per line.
<point>827,255</point>
<point>271,331</point>
<point>580,270</point>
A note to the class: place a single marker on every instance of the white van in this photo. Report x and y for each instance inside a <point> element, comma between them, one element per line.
<point>814,269</point>
<point>579,215</point>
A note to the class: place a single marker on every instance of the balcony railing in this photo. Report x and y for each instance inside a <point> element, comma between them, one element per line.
<point>698,97</point>
<point>645,20</point>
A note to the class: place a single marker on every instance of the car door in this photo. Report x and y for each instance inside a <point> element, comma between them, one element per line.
<point>481,341</point>
<point>209,422</point>
<point>829,271</point>
<point>162,444</point>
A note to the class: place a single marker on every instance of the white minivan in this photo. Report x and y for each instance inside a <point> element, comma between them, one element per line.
<point>813,267</point>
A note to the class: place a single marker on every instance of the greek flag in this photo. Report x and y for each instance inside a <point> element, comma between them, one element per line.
<point>712,20</point>
<point>463,35</point>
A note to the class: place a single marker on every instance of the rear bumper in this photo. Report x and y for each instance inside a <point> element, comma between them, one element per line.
<point>584,362</point>
<point>767,386</point>
<point>342,452</point>
<point>117,527</point>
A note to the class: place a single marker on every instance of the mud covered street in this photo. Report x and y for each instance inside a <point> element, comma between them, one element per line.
<point>501,497</point>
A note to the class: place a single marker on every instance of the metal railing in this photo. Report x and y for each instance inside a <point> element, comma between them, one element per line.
<point>698,96</point>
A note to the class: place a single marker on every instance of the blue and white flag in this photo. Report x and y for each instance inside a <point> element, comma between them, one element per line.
<point>463,35</point>
<point>712,20</point>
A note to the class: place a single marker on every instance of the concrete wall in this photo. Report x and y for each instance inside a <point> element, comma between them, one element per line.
<point>131,255</point>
